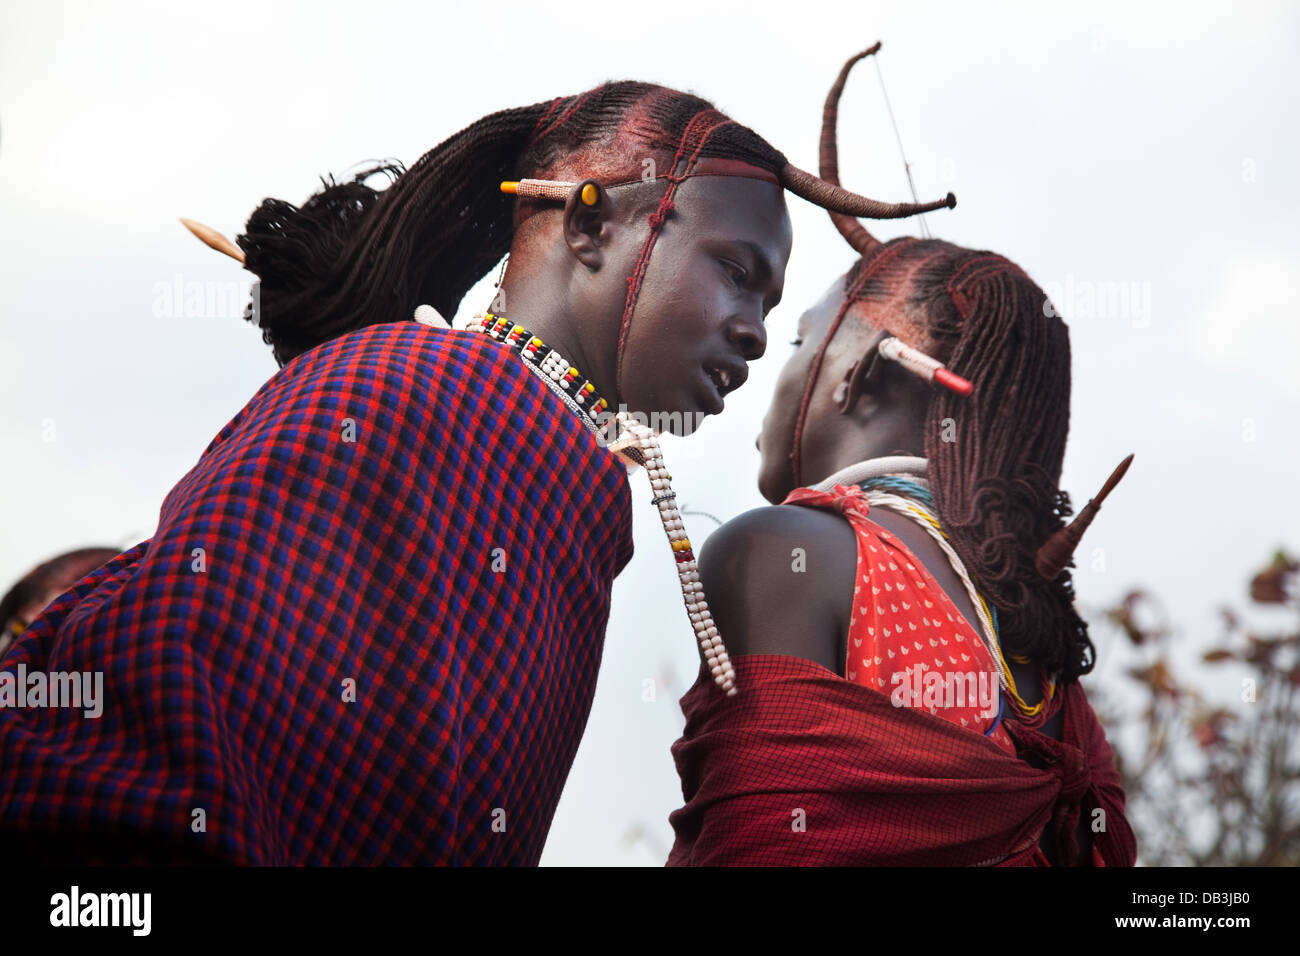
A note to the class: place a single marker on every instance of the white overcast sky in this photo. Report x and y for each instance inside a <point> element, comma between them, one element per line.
<point>1106,147</point>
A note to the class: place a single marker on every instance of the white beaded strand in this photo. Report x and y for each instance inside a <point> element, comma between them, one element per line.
<point>697,608</point>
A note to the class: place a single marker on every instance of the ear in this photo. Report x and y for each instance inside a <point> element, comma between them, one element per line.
<point>863,376</point>
<point>588,222</point>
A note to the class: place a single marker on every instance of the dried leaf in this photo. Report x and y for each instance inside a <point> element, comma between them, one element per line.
<point>1275,584</point>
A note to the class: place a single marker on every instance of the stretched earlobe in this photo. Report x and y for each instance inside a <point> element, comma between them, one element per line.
<point>860,376</point>
<point>586,215</point>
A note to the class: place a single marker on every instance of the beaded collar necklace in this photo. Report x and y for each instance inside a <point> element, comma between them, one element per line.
<point>637,445</point>
<point>549,364</point>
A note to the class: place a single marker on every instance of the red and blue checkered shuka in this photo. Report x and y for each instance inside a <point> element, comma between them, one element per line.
<point>366,630</point>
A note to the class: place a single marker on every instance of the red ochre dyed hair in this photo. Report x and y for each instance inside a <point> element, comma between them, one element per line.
<point>995,487</point>
<point>353,256</point>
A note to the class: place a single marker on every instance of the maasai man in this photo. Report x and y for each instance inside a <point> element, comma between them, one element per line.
<point>877,720</point>
<point>368,626</point>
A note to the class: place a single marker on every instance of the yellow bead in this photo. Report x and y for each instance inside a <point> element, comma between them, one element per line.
<point>589,194</point>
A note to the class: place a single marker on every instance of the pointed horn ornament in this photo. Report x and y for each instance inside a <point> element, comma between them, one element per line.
<point>1056,553</point>
<point>835,199</point>
<point>213,239</point>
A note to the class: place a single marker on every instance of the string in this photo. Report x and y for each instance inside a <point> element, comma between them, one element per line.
<point>907,167</point>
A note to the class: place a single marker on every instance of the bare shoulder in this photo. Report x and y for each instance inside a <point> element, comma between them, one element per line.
<point>779,580</point>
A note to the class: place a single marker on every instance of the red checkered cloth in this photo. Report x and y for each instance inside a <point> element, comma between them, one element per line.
<point>804,768</point>
<point>454,559</point>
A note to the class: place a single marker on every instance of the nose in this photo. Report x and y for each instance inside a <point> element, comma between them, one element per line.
<point>750,335</point>
<point>756,448</point>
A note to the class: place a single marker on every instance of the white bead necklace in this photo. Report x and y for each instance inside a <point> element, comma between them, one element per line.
<point>641,447</point>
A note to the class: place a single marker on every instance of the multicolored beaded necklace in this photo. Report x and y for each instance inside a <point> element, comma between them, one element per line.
<point>636,444</point>
<point>547,361</point>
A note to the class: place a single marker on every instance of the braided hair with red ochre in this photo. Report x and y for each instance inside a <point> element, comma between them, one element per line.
<point>352,256</point>
<point>995,456</point>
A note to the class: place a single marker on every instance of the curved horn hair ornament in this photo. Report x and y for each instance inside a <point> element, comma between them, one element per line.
<point>1056,553</point>
<point>803,184</point>
<point>836,199</point>
<point>849,227</point>
<point>845,219</point>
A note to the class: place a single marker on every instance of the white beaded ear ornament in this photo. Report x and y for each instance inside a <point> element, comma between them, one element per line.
<point>640,446</point>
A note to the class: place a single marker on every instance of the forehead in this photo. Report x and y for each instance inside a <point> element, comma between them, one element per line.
<point>734,207</point>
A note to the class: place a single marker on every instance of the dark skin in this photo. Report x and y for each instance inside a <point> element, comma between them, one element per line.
<point>717,269</point>
<point>760,604</point>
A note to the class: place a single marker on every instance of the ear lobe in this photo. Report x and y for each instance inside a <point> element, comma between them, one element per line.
<point>861,376</point>
<point>587,217</point>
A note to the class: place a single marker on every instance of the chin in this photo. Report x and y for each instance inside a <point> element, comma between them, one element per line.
<point>773,487</point>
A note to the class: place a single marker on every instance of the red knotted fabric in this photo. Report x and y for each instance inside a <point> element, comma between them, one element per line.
<point>806,768</point>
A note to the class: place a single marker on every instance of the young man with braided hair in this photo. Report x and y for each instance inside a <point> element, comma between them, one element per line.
<point>913,698</point>
<point>368,626</point>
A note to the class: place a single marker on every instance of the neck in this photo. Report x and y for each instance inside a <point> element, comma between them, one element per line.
<point>537,306</point>
<point>875,428</point>
<point>854,450</point>
<point>859,471</point>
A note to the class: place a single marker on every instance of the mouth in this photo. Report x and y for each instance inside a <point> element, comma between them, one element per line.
<point>723,379</point>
